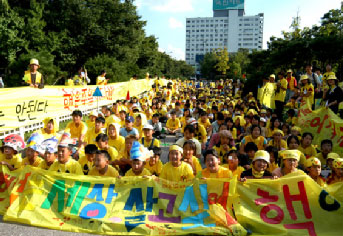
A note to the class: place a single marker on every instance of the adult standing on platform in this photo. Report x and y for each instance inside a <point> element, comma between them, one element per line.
<point>101,79</point>
<point>32,76</point>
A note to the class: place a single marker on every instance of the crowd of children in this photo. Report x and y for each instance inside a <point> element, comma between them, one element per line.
<point>218,134</point>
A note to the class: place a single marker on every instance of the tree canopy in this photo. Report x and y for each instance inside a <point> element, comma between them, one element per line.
<point>65,35</point>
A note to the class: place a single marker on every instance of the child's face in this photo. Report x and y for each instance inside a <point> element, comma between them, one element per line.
<point>212,163</point>
<point>188,151</point>
<point>224,140</point>
<point>122,115</point>
<point>90,157</point>
<point>128,144</point>
<point>326,148</point>
<point>112,131</point>
<point>49,157</point>
<point>251,154</point>
<point>203,119</point>
<point>173,116</point>
<point>188,135</point>
<point>77,119</point>
<point>9,152</point>
<point>63,154</point>
<point>175,158</point>
<point>50,126</point>
<point>102,144</point>
<point>128,124</point>
<point>137,166</point>
<point>30,153</point>
<point>154,159</point>
<point>92,118</point>
<point>290,164</point>
<point>338,172</point>
<point>256,132</point>
<point>294,132</point>
<point>315,171</point>
<point>148,133</point>
<point>98,125</point>
<point>233,161</point>
<point>260,165</point>
<point>293,144</point>
<point>155,120</point>
<point>307,140</point>
<point>329,162</point>
<point>138,121</point>
<point>100,162</point>
<point>277,137</point>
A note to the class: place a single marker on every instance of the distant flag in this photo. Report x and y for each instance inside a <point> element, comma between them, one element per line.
<point>128,95</point>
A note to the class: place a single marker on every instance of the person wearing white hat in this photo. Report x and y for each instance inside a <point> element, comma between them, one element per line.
<point>148,140</point>
<point>259,166</point>
<point>32,76</point>
<point>332,95</point>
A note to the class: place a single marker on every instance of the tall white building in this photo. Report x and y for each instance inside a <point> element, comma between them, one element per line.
<point>229,27</point>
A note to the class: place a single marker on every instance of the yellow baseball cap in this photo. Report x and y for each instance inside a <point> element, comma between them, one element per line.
<point>333,156</point>
<point>313,161</point>
<point>291,154</point>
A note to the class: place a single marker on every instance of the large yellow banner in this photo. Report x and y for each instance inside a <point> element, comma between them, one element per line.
<point>323,124</point>
<point>26,105</point>
<point>292,205</point>
<point>129,205</point>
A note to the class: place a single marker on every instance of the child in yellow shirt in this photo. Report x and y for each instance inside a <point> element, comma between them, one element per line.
<point>50,154</point>
<point>9,155</point>
<point>102,142</point>
<point>154,164</point>
<point>189,149</point>
<point>176,170</point>
<point>32,156</point>
<point>173,125</point>
<point>138,155</point>
<point>101,165</point>
<point>313,169</point>
<point>87,161</point>
<point>231,158</point>
<point>225,144</point>
<point>306,146</point>
<point>213,168</point>
<point>114,139</point>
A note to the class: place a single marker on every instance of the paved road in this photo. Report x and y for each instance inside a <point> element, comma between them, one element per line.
<point>15,229</point>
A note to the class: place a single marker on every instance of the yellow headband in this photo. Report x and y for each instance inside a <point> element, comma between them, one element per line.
<point>291,154</point>
<point>175,147</point>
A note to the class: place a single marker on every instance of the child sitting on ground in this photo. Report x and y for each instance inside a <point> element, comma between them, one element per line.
<point>101,165</point>
<point>9,155</point>
<point>173,124</point>
<point>313,169</point>
<point>231,158</point>
<point>148,140</point>
<point>124,161</point>
<point>138,155</point>
<point>213,168</point>
<point>65,163</point>
<point>176,170</point>
<point>189,149</point>
<point>102,142</point>
<point>154,164</point>
<point>32,156</point>
<point>87,161</point>
<point>225,145</point>
<point>50,154</point>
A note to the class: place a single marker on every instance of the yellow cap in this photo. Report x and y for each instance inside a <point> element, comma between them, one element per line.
<point>291,154</point>
<point>262,155</point>
<point>304,77</point>
<point>34,61</point>
<point>313,161</point>
<point>296,128</point>
<point>175,147</point>
<point>263,111</point>
<point>289,71</point>
<point>278,131</point>
<point>338,163</point>
<point>332,77</point>
<point>333,155</point>
<point>272,76</point>
<point>252,111</point>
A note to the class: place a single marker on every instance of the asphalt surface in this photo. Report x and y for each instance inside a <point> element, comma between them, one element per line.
<point>16,229</point>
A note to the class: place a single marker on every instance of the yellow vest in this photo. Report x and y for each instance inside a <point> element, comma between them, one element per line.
<point>27,77</point>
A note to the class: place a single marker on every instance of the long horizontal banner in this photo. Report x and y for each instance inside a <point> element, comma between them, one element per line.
<point>323,124</point>
<point>25,105</point>
<point>294,205</point>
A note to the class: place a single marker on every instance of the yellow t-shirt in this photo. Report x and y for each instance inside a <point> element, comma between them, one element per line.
<point>283,144</point>
<point>281,95</point>
<point>222,173</point>
<point>111,172</point>
<point>155,169</point>
<point>113,153</point>
<point>310,151</point>
<point>139,129</point>
<point>145,172</point>
<point>26,162</point>
<point>76,132</point>
<point>100,80</point>
<point>85,164</point>
<point>207,123</point>
<point>309,90</point>
<point>196,163</point>
<point>180,173</point>
<point>15,161</point>
<point>91,135</point>
<point>236,172</point>
<point>118,143</point>
<point>173,124</point>
<point>90,124</point>
<point>147,144</point>
<point>43,165</point>
<point>72,167</point>
<point>221,152</point>
<point>201,134</point>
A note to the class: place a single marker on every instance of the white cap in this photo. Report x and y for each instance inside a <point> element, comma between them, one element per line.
<point>263,120</point>
<point>148,126</point>
<point>192,121</point>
